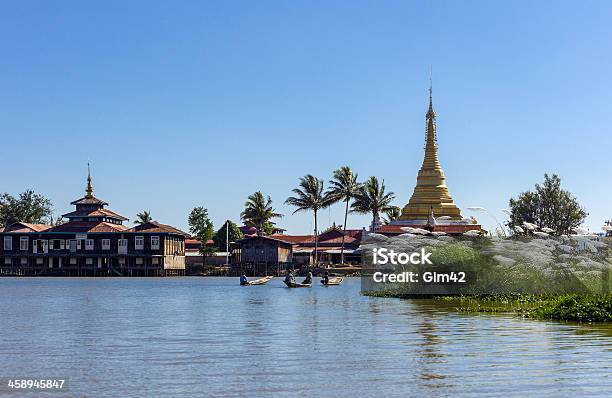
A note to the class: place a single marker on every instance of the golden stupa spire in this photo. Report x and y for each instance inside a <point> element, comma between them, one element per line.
<point>89,189</point>
<point>431,196</point>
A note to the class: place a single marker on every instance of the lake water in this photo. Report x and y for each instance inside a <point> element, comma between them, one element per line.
<point>210,337</point>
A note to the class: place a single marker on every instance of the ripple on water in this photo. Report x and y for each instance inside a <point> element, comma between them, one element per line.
<point>208,336</point>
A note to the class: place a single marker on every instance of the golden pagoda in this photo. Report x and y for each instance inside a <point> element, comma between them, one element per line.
<point>431,193</point>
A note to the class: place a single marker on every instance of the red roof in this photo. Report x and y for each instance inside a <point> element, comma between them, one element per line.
<point>87,227</point>
<point>23,227</point>
<point>272,238</point>
<point>293,238</point>
<point>155,227</point>
<point>89,201</point>
<point>449,229</point>
<point>195,244</point>
<point>95,213</point>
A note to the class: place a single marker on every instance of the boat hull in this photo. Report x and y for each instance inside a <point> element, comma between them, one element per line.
<point>332,281</point>
<point>260,281</point>
<point>294,284</point>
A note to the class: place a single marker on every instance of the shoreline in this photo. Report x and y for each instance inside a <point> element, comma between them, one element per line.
<point>583,308</point>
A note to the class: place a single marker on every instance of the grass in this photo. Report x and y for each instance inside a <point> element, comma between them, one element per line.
<point>565,307</point>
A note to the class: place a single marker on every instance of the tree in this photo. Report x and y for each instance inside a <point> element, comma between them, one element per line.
<point>220,237</point>
<point>202,229</point>
<point>29,207</point>
<point>258,212</point>
<point>344,187</point>
<point>548,206</point>
<point>57,222</point>
<point>143,217</point>
<point>372,198</point>
<point>308,197</point>
<point>393,214</point>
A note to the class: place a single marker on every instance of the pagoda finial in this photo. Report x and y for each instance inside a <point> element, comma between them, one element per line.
<point>430,112</point>
<point>89,189</point>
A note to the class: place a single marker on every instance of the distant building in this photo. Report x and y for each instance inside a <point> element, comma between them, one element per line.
<point>263,254</point>
<point>94,242</point>
<point>194,259</point>
<point>248,231</point>
<point>280,252</point>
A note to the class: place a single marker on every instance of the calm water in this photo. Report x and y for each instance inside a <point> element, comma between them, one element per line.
<point>208,336</point>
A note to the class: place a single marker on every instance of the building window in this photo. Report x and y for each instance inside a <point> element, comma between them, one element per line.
<point>7,261</point>
<point>122,246</point>
<point>138,260</point>
<point>79,244</point>
<point>89,261</point>
<point>39,261</point>
<point>89,244</point>
<point>23,243</point>
<point>105,244</point>
<point>155,261</point>
<point>73,245</point>
<point>154,242</point>
<point>35,246</point>
<point>8,243</point>
<point>139,245</point>
<point>24,261</point>
<point>73,261</point>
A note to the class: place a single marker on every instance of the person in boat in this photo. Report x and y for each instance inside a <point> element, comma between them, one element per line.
<point>289,278</point>
<point>308,279</point>
<point>243,280</point>
<point>326,278</point>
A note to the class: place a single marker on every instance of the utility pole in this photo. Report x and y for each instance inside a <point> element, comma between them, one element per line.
<point>227,242</point>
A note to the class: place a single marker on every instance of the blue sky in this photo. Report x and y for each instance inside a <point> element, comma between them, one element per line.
<point>180,104</point>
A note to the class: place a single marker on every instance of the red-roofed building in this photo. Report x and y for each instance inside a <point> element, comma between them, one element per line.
<point>270,250</point>
<point>94,242</point>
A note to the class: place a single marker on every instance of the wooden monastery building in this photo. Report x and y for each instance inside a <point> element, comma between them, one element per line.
<point>93,242</point>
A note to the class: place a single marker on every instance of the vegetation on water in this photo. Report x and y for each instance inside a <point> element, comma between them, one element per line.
<point>561,278</point>
<point>565,307</point>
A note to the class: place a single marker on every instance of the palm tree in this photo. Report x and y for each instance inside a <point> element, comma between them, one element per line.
<point>258,211</point>
<point>344,187</point>
<point>392,214</point>
<point>372,198</point>
<point>143,217</point>
<point>310,196</point>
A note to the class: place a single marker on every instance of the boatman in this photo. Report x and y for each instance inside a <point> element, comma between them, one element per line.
<point>308,279</point>
<point>326,278</point>
<point>243,280</point>
<point>289,278</point>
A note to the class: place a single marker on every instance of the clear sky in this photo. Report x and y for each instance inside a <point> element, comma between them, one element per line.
<point>180,104</point>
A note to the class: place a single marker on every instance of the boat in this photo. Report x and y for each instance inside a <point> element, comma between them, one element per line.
<point>295,284</point>
<point>260,281</point>
<point>333,281</point>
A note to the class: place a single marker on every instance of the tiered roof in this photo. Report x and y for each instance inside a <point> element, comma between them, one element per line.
<point>155,227</point>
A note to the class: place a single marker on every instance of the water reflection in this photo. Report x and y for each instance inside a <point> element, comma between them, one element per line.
<point>178,337</point>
